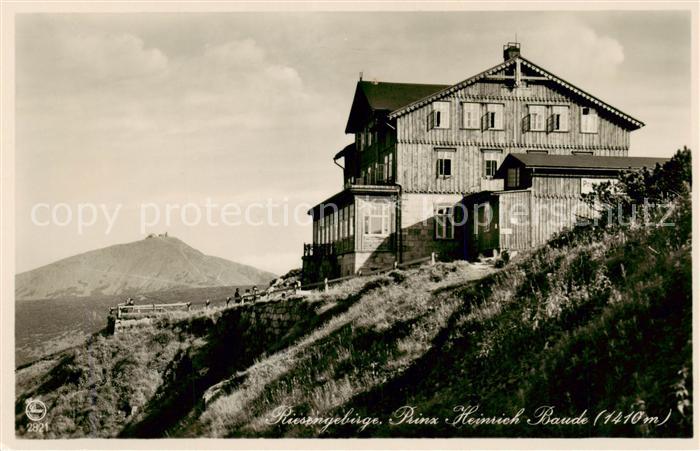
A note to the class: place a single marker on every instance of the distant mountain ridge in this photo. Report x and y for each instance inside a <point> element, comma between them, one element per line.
<point>152,264</point>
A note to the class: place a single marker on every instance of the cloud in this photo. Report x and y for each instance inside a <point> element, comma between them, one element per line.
<point>109,56</point>
<point>81,60</point>
<point>572,47</point>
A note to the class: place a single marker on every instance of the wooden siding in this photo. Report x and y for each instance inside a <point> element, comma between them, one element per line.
<point>417,169</point>
<point>416,144</point>
<point>556,203</point>
<point>514,219</point>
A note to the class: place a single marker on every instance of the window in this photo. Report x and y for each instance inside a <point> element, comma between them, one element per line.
<point>444,167</point>
<point>444,223</point>
<point>494,117</point>
<point>513,177</point>
<point>537,114</point>
<point>491,158</point>
<point>444,162</point>
<point>440,115</point>
<point>471,112</point>
<point>334,226</point>
<point>559,120</point>
<point>490,167</point>
<point>388,167</point>
<point>589,120</point>
<point>377,219</point>
<point>351,228</point>
<point>347,222</point>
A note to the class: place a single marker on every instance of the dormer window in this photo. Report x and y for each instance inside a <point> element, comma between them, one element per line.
<point>440,116</point>
<point>589,120</point>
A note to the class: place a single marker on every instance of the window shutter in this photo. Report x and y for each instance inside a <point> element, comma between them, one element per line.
<point>496,119</point>
<point>470,115</point>
<point>550,123</point>
<point>447,162</point>
<point>526,123</point>
<point>564,120</point>
<point>593,122</point>
<point>589,120</point>
<point>439,116</point>
<point>563,116</point>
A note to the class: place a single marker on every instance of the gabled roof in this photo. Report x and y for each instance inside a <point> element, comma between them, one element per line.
<point>382,96</point>
<point>585,162</point>
<point>629,120</point>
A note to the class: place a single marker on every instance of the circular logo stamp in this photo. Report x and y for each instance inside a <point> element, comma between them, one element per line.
<point>35,410</point>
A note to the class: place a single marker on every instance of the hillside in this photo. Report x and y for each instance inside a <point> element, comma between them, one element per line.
<point>46,326</point>
<point>598,320</point>
<point>152,264</point>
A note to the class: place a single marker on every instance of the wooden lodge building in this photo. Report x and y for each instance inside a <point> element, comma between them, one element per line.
<point>514,133</point>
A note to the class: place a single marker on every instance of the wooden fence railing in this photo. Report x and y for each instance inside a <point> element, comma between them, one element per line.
<point>133,311</point>
<point>326,282</point>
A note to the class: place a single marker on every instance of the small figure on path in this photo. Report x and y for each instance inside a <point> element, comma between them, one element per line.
<point>237,296</point>
<point>228,300</point>
<point>207,303</point>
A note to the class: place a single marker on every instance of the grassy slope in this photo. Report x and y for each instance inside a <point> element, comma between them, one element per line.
<point>597,323</point>
<point>600,323</point>
<point>47,326</point>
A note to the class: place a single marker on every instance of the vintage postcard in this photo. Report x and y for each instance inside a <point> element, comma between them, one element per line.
<point>342,225</point>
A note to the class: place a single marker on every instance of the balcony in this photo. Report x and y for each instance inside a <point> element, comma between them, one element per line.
<point>340,246</point>
<point>379,176</point>
<point>318,250</point>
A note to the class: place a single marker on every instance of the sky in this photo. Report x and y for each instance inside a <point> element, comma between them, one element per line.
<point>122,115</point>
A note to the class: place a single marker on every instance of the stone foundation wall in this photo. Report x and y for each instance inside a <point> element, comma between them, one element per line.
<point>275,319</point>
<point>418,227</point>
<point>370,261</point>
<point>262,322</point>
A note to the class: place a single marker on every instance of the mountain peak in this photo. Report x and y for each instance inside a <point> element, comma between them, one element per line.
<point>154,263</point>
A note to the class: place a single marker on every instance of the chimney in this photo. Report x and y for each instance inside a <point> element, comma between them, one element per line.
<point>511,50</point>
